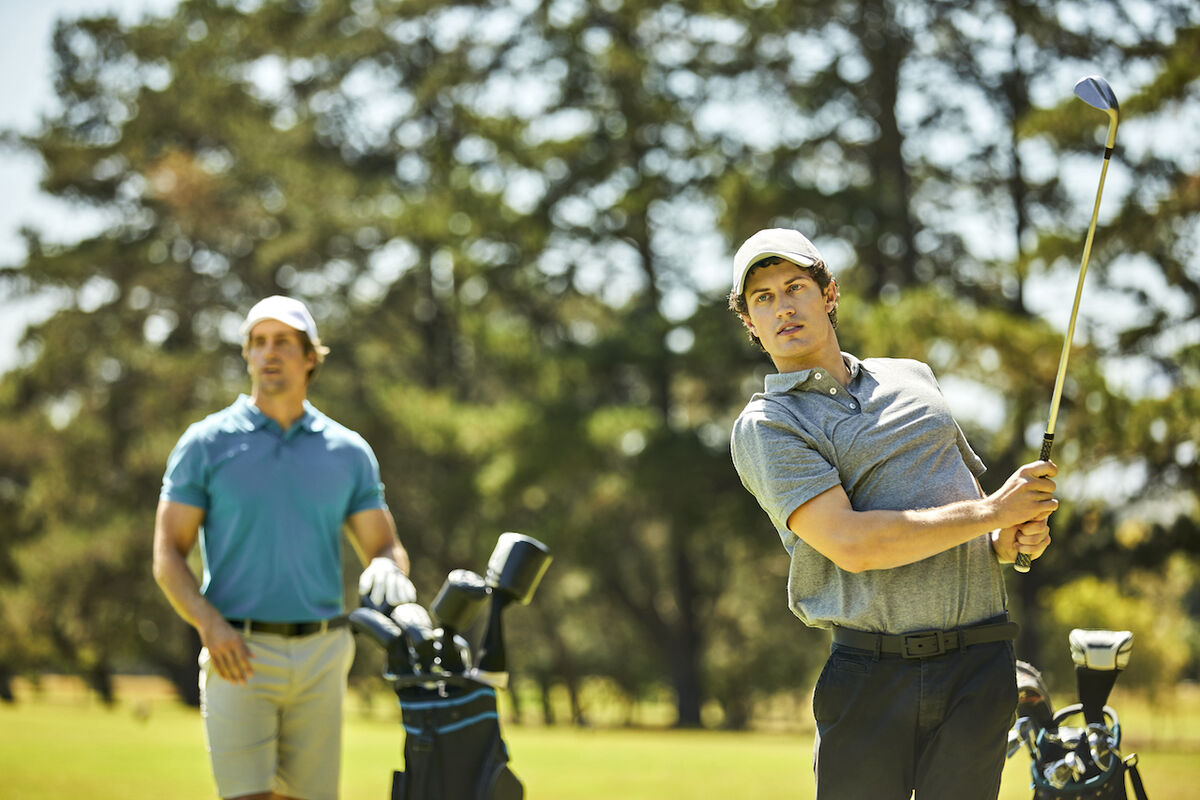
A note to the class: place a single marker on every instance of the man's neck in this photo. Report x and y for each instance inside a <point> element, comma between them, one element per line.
<point>832,362</point>
<point>284,408</point>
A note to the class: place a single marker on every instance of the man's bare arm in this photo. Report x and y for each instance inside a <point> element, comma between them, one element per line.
<point>857,541</point>
<point>176,529</point>
<point>374,535</point>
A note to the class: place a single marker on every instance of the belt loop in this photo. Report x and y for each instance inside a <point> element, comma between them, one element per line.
<point>247,627</point>
<point>878,646</point>
<point>324,626</point>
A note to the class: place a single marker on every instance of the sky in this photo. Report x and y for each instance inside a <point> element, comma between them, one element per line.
<point>27,93</point>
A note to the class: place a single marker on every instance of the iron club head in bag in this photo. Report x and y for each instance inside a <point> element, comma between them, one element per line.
<point>514,571</point>
<point>1099,657</point>
<point>1033,699</point>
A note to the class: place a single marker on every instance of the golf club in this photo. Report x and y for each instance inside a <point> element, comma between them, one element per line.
<point>457,604</point>
<point>414,621</point>
<point>1101,745</point>
<point>1096,92</point>
<point>514,571</point>
<point>1099,657</point>
<point>388,635</point>
<point>1033,699</point>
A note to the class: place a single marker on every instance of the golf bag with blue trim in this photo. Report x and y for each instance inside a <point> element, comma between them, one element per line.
<point>1075,752</point>
<point>453,747</point>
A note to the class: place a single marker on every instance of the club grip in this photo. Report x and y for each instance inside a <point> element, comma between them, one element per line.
<point>1023,562</point>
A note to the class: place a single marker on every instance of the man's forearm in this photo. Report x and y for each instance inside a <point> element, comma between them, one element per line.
<point>182,590</point>
<point>886,539</point>
<point>857,541</point>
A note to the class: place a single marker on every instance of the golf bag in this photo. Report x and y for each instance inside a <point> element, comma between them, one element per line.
<point>1075,752</point>
<point>453,749</point>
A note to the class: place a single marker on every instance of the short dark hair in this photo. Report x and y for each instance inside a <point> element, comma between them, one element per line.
<point>819,272</point>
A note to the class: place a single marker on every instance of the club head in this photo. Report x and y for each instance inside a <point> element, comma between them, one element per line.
<point>414,621</point>
<point>460,599</point>
<point>1100,651</point>
<point>516,567</point>
<point>1096,92</point>
<point>1033,699</point>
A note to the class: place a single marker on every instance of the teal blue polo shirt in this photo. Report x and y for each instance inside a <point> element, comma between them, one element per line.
<point>274,503</point>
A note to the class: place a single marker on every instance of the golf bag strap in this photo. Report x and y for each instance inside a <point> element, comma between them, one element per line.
<point>925,644</point>
<point>1131,762</point>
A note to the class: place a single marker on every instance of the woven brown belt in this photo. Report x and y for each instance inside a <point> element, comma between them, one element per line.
<point>287,628</point>
<point>925,644</point>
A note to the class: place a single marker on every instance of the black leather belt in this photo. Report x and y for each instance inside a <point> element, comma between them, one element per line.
<point>925,644</point>
<point>287,628</point>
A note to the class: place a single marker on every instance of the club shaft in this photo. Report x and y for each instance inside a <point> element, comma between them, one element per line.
<point>1023,562</point>
<point>1056,398</point>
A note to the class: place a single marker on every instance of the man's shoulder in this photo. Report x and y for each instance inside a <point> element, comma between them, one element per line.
<point>875,363</point>
<point>232,419</point>
<point>336,433</point>
<point>898,369</point>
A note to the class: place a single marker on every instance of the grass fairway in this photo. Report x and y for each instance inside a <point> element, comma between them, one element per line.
<point>57,748</point>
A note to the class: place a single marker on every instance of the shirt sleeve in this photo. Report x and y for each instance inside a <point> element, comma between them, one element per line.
<point>368,490</point>
<point>186,478</point>
<point>778,466</point>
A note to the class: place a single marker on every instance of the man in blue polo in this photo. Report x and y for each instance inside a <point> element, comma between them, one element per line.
<point>265,486</point>
<point>873,491</point>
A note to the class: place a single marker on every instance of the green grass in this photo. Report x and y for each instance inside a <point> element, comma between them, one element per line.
<point>56,747</point>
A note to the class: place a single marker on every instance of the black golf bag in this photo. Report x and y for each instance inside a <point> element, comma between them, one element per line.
<point>1075,752</point>
<point>453,749</point>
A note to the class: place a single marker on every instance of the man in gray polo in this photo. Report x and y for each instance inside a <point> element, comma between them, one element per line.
<point>873,490</point>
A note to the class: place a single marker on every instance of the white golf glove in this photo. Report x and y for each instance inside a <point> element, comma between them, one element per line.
<point>385,583</point>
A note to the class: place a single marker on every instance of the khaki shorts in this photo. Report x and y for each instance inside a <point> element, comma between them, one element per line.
<point>282,730</point>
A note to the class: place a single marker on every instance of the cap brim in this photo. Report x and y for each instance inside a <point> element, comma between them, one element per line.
<point>801,259</point>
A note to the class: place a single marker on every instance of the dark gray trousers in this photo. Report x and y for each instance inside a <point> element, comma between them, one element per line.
<point>889,726</point>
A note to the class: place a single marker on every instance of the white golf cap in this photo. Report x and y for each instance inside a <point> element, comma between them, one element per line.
<point>781,242</point>
<point>287,310</point>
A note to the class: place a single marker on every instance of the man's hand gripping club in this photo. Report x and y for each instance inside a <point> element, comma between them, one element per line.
<point>1028,494</point>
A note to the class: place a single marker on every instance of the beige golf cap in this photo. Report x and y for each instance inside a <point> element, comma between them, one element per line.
<point>287,310</point>
<point>781,242</point>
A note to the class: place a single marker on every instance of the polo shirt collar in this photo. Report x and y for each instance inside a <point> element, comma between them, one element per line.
<point>250,418</point>
<point>780,382</point>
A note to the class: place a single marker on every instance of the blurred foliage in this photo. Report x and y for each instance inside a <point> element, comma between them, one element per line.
<point>512,222</point>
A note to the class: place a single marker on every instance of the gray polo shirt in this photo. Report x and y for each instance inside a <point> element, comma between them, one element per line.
<point>889,439</point>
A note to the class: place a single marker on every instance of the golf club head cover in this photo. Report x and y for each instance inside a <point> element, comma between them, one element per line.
<point>1099,657</point>
<point>516,566</point>
<point>387,634</point>
<point>460,599</point>
<point>1101,650</point>
<point>383,585</point>
<point>418,630</point>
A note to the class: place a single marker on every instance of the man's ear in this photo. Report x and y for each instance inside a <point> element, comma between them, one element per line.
<point>749,325</point>
<point>831,295</point>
